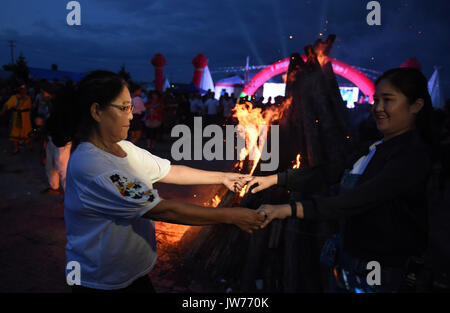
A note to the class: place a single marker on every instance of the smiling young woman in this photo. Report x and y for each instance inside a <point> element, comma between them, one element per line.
<point>383,194</point>
<point>397,106</point>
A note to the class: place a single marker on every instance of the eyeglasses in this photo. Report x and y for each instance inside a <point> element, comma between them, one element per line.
<point>124,108</point>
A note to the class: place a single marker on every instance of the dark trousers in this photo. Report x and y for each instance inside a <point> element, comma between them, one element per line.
<point>140,285</point>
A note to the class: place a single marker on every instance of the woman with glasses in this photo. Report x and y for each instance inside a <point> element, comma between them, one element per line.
<point>382,194</point>
<point>110,203</point>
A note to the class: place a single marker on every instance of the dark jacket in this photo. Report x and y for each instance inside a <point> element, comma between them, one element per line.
<point>386,213</point>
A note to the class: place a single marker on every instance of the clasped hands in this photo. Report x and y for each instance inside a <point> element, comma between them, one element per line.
<point>250,220</point>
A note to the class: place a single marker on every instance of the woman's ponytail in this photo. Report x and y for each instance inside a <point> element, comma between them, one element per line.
<point>64,116</point>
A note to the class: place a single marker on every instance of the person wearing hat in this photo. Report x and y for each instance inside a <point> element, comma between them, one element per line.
<point>20,122</point>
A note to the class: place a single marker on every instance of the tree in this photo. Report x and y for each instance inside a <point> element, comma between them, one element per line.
<point>20,69</point>
<point>125,75</point>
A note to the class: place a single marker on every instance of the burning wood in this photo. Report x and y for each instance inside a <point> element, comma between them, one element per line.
<point>281,254</point>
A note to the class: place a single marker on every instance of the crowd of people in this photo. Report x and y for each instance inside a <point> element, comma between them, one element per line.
<point>25,109</point>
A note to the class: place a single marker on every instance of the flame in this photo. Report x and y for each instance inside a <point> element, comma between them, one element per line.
<point>214,202</point>
<point>169,234</point>
<point>250,120</point>
<point>297,161</point>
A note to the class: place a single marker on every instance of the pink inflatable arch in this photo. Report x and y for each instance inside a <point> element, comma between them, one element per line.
<point>340,68</point>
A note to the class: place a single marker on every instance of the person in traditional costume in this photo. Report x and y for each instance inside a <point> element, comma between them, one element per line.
<point>20,123</point>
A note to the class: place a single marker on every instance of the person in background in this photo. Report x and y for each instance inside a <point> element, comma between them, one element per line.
<point>183,109</point>
<point>138,115</point>
<point>42,105</point>
<point>20,128</point>
<point>42,102</point>
<point>153,119</point>
<point>196,104</point>
<point>211,105</point>
<point>228,105</point>
<point>57,159</point>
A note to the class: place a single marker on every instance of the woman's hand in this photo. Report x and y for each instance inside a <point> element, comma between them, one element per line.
<point>246,219</point>
<point>272,212</point>
<point>184,175</point>
<point>235,182</point>
<point>263,182</point>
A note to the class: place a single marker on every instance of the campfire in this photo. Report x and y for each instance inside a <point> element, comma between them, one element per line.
<point>284,254</point>
<point>250,120</point>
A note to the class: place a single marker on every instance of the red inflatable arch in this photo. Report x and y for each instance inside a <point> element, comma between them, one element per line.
<point>340,68</point>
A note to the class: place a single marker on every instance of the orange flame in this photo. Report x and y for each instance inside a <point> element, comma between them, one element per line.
<point>214,202</point>
<point>169,234</point>
<point>250,120</point>
<point>297,161</point>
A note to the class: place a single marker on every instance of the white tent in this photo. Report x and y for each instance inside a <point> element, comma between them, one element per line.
<point>233,84</point>
<point>435,91</point>
<point>166,84</point>
<point>207,82</point>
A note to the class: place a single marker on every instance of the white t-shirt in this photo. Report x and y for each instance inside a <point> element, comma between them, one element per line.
<point>105,199</point>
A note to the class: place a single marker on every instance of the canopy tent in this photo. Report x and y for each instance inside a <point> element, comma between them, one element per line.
<point>190,88</point>
<point>233,84</point>
<point>233,80</point>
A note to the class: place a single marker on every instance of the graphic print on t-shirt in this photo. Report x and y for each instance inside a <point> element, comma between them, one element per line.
<point>131,189</point>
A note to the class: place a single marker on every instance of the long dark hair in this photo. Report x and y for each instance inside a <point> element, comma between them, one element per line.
<point>413,84</point>
<point>71,119</point>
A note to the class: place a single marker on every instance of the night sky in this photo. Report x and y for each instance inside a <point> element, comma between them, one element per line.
<point>116,32</point>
